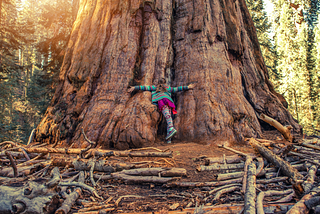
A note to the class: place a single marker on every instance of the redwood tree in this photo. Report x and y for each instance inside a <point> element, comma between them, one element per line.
<point>115,44</point>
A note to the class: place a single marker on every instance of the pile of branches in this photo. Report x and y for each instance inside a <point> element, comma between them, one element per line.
<point>43,179</point>
<point>277,178</point>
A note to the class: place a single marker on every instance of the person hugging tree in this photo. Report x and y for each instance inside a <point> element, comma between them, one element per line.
<point>161,96</point>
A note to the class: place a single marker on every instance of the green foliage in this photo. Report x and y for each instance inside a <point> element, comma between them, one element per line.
<point>263,28</point>
<point>33,37</point>
<point>295,46</point>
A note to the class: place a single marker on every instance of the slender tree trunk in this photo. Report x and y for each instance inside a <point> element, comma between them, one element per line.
<point>114,44</point>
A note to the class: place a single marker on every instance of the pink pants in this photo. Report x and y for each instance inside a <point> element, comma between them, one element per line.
<point>166,102</point>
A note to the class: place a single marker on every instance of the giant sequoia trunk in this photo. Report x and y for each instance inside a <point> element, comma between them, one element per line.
<point>114,44</point>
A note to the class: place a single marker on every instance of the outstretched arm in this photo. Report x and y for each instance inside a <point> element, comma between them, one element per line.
<point>181,88</point>
<point>142,87</point>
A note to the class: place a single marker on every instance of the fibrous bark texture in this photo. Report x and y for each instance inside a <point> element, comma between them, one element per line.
<point>115,44</point>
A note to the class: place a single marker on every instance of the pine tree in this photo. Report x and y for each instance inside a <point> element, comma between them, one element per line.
<point>316,76</point>
<point>263,27</point>
<point>294,44</point>
<point>11,39</point>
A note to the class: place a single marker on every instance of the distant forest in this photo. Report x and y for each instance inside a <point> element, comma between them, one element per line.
<point>35,33</point>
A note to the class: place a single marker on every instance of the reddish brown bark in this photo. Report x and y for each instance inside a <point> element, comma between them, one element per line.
<point>115,44</point>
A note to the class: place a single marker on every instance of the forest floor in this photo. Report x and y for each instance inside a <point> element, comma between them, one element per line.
<point>153,198</point>
<point>120,196</point>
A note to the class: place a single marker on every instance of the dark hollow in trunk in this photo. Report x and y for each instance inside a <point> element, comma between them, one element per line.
<point>114,44</point>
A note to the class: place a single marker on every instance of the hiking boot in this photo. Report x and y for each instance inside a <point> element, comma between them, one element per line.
<point>172,131</point>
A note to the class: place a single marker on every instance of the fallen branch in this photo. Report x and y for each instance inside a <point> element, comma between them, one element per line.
<point>82,185</point>
<point>86,165</point>
<point>157,171</point>
<point>13,164</point>
<point>55,173</point>
<point>126,196</point>
<point>92,163</point>
<point>286,199</point>
<point>260,166</point>
<point>234,151</point>
<point>262,194</point>
<point>250,193</point>
<point>285,166</point>
<point>312,202</point>
<point>203,184</point>
<point>285,131</point>
<point>272,180</point>
<point>223,187</point>
<point>142,179</point>
<point>244,181</point>
<point>300,207</point>
<point>218,166</point>
<point>305,158</point>
<point>223,191</point>
<point>98,152</point>
<point>229,159</point>
<point>308,183</point>
<point>227,176</point>
<point>310,146</point>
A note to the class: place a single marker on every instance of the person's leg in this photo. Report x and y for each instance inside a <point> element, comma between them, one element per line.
<point>170,129</point>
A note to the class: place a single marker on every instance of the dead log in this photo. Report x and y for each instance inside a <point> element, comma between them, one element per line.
<point>300,207</point>
<point>218,166</point>
<point>244,181</point>
<point>284,166</point>
<point>250,193</point>
<point>142,179</point>
<point>203,184</point>
<point>71,198</point>
<point>229,159</point>
<point>228,176</point>
<point>98,152</point>
<point>262,194</point>
<point>33,197</point>
<point>308,183</point>
<point>285,131</point>
<point>85,165</point>
<point>157,171</point>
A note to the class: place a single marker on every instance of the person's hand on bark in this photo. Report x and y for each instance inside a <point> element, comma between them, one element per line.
<point>131,89</point>
<point>191,86</point>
